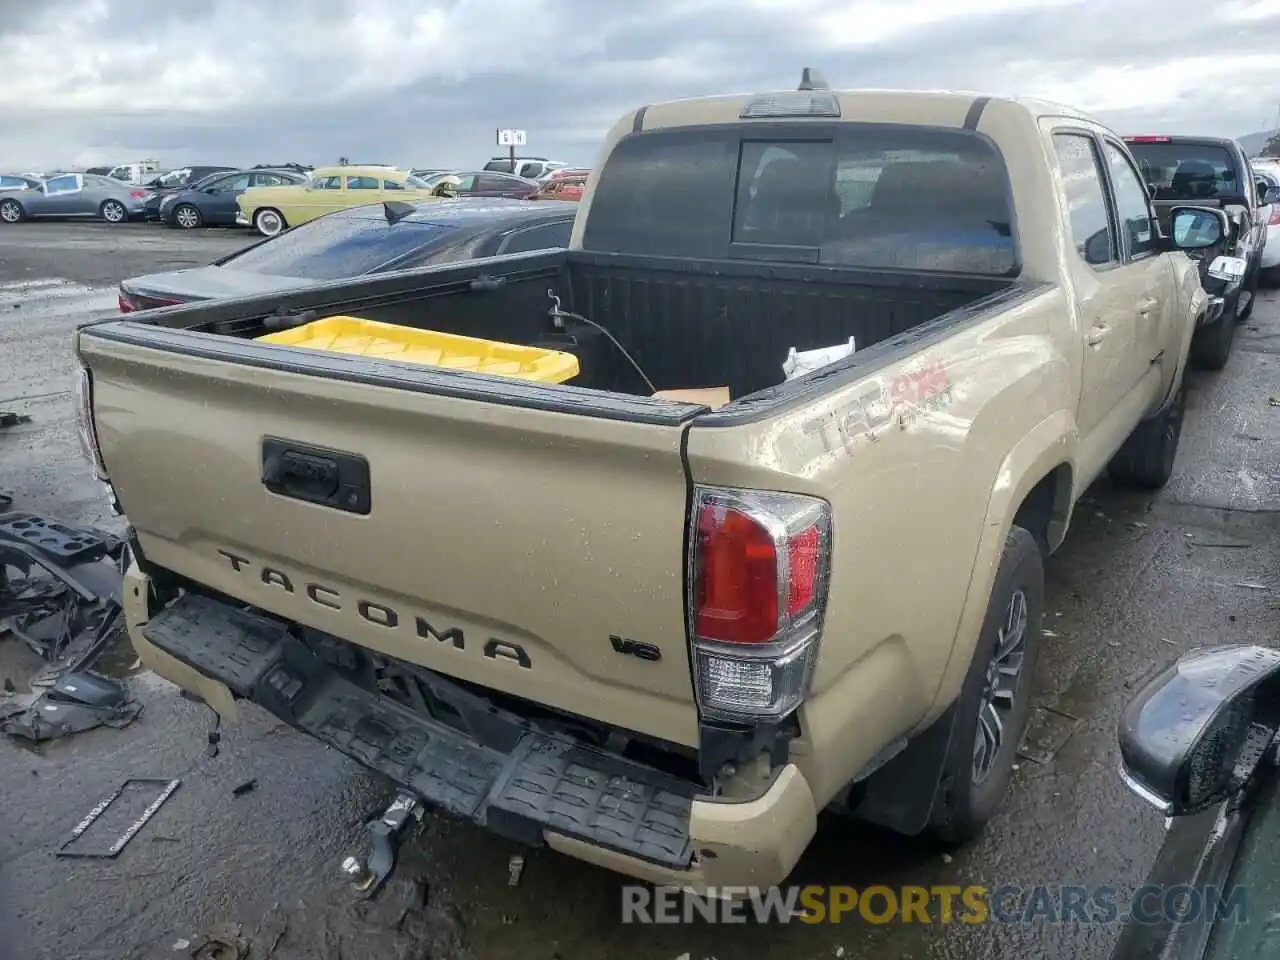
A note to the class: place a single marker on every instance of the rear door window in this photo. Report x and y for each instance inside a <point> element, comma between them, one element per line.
<point>861,195</point>
<point>332,248</point>
<point>1084,191</point>
<point>362,183</point>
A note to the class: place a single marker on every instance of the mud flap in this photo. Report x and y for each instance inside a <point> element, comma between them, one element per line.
<point>900,795</point>
<point>469,757</point>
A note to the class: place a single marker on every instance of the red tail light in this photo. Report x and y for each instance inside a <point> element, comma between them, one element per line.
<point>137,194</point>
<point>1148,138</point>
<point>757,595</point>
<point>736,580</point>
<point>126,305</point>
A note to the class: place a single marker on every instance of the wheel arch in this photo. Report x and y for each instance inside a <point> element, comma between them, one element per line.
<point>1035,484</point>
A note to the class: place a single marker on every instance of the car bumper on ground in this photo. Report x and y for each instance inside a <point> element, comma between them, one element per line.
<point>532,786</point>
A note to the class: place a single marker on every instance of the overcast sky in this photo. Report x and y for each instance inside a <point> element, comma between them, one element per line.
<point>426,82</point>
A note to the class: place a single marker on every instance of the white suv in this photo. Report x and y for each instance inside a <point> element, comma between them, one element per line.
<point>531,168</point>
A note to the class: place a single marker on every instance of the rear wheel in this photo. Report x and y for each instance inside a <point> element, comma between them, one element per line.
<point>1147,457</point>
<point>995,701</point>
<point>187,216</point>
<point>11,211</point>
<point>113,211</point>
<point>268,222</point>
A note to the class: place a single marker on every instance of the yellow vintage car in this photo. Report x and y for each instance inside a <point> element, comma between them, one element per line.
<point>272,209</point>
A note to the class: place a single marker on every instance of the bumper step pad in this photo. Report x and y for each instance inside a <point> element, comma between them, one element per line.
<point>545,782</point>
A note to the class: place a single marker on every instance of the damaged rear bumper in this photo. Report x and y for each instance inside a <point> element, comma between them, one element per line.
<point>487,764</point>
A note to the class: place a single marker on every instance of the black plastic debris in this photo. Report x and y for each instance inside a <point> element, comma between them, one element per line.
<point>10,419</point>
<point>78,701</point>
<point>61,594</point>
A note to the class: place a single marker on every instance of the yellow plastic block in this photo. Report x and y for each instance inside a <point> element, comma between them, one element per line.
<point>389,341</point>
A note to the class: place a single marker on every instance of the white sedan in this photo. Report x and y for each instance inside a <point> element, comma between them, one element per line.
<point>1270,263</point>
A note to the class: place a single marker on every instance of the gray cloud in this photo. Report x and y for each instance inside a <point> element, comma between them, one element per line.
<point>310,80</point>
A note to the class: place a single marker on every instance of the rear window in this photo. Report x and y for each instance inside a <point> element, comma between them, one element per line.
<point>1188,171</point>
<point>498,166</point>
<point>859,195</point>
<point>332,248</point>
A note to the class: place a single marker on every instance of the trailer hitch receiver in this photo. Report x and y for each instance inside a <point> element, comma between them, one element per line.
<point>368,871</point>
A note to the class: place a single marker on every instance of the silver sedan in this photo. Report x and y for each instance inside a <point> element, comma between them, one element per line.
<point>74,195</point>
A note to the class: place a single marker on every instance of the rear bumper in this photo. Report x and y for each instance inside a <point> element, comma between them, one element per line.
<point>488,765</point>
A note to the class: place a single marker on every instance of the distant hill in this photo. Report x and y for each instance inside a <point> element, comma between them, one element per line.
<point>1254,142</point>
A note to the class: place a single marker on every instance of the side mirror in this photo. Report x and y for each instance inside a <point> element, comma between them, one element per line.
<point>1196,228</point>
<point>1264,192</point>
<point>1196,734</point>
<point>1097,249</point>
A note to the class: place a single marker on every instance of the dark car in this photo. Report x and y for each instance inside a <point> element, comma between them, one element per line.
<point>1198,742</point>
<point>485,184</point>
<point>375,238</point>
<point>212,201</point>
<point>1211,172</point>
<point>174,181</point>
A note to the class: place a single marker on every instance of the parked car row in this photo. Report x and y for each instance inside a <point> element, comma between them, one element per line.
<point>269,199</point>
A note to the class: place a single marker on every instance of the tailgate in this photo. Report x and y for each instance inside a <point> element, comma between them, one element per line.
<point>498,543</point>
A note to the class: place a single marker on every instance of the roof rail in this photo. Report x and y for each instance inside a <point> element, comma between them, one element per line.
<point>811,79</point>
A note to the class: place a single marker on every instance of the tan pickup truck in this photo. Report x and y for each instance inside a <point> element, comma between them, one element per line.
<point>662,633</point>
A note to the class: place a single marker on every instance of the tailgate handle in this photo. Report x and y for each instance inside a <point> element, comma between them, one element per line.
<point>330,478</point>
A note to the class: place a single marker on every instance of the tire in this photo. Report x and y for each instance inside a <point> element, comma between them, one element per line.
<point>1147,457</point>
<point>1211,345</point>
<point>269,221</point>
<point>11,211</point>
<point>1252,290</point>
<point>975,777</point>
<point>1270,277</point>
<point>113,211</point>
<point>187,216</point>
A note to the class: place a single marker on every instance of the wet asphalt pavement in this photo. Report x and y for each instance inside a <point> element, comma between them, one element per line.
<point>1139,580</point>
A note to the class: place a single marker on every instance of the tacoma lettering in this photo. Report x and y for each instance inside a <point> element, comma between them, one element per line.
<point>381,615</point>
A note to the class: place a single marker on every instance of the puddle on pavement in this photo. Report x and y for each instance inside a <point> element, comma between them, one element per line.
<point>118,661</point>
<point>1048,731</point>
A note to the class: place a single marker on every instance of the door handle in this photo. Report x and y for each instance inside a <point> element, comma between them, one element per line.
<point>1097,333</point>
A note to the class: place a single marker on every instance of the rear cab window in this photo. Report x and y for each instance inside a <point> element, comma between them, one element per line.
<point>1188,170</point>
<point>878,196</point>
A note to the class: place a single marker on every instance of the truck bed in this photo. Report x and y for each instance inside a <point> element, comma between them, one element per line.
<point>687,324</point>
<point>509,534</point>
